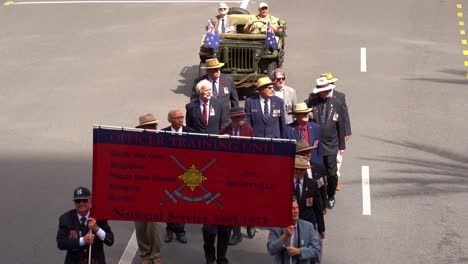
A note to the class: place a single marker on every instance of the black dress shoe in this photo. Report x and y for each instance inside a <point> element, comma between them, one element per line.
<point>209,262</point>
<point>235,239</point>
<point>181,238</point>
<point>331,203</point>
<point>168,237</point>
<point>251,231</point>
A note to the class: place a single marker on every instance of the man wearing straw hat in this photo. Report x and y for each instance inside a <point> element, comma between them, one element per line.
<point>147,233</point>
<point>265,111</point>
<point>223,87</point>
<point>303,129</point>
<point>329,114</point>
<point>78,232</point>
<point>342,98</point>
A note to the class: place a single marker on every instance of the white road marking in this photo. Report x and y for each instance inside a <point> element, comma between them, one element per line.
<point>366,204</point>
<point>244,4</point>
<point>118,2</point>
<point>363,60</point>
<point>130,250</point>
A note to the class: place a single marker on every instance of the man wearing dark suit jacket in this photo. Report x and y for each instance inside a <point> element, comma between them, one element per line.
<point>340,96</point>
<point>328,113</point>
<point>223,87</point>
<point>176,118</point>
<point>303,129</point>
<point>265,111</point>
<point>205,114</point>
<point>237,127</point>
<point>77,231</point>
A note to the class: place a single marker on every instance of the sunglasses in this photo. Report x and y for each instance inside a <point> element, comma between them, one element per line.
<point>78,201</point>
<point>281,79</point>
<point>222,8</point>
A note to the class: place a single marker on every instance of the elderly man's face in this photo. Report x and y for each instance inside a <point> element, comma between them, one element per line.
<point>267,92</point>
<point>263,12</point>
<point>177,119</point>
<point>214,73</point>
<point>223,11</point>
<point>295,211</point>
<point>299,173</point>
<point>82,206</point>
<point>238,121</point>
<point>307,154</point>
<point>205,93</point>
<point>279,80</point>
<point>302,118</point>
<point>325,94</point>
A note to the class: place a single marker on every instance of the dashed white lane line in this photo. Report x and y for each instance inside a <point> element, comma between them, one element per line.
<point>366,202</point>
<point>115,2</point>
<point>363,60</point>
<point>130,250</point>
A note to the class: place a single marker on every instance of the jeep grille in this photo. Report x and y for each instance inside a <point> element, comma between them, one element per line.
<point>241,59</point>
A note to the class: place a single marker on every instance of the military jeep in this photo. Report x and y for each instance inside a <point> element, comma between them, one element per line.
<point>246,56</point>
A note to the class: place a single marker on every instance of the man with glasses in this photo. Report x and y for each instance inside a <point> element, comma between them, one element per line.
<point>258,24</point>
<point>265,111</point>
<point>284,92</point>
<point>78,230</point>
<point>223,23</point>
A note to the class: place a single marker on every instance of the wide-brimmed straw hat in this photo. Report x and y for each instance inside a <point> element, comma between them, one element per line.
<point>262,82</point>
<point>329,77</point>
<point>237,111</point>
<point>302,146</point>
<point>300,108</point>
<point>301,162</point>
<point>212,63</point>
<point>147,120</point>
<point>322,84</point>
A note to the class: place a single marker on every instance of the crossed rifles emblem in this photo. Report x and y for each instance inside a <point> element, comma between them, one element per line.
<point>192,178</point>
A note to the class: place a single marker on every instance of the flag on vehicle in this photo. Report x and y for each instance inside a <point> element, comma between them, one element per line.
<point>270,37</point>
<point>211,38</point>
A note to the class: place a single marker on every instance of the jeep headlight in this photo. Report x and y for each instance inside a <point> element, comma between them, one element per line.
<point>258,53</point>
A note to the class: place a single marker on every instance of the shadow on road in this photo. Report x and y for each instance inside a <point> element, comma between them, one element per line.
<point>451,81</point>
<point>188,75</point>
<point>422,176</point>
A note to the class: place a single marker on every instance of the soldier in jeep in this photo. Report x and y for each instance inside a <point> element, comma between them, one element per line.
<point>257,24</point>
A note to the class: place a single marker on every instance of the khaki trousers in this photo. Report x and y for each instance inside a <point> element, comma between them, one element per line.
<point>149,243</point>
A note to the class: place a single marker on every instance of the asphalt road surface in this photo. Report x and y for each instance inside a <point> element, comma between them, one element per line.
<point>65,67</point>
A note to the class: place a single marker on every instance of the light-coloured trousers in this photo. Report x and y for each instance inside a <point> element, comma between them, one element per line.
<point>339,161</point>
<point>149,243</point>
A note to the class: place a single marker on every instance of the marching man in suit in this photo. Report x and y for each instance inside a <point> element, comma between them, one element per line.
<point>206,115</point>
<point>298,243</point>
<point>265,111</point>
<point>288,94</point>
<point>78,230</point>
<point>303,129</point>
<point>329,114</point>
<point>223,87</point>
<point>237,127</point>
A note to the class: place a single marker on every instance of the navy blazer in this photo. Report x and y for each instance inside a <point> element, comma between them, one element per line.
<point>311,211</point>
<point>184,129</point>
<point>333,130</point>
<point>227,92</point>
<point>291,132</point>
<point>68,238</point>
<point>271,128</point>
<point>218,117</point>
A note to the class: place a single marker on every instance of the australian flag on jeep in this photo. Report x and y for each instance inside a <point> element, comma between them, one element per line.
<point>270,37</point>
<point>211,38</point>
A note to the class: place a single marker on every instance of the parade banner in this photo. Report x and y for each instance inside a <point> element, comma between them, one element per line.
<point>159,176</point>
